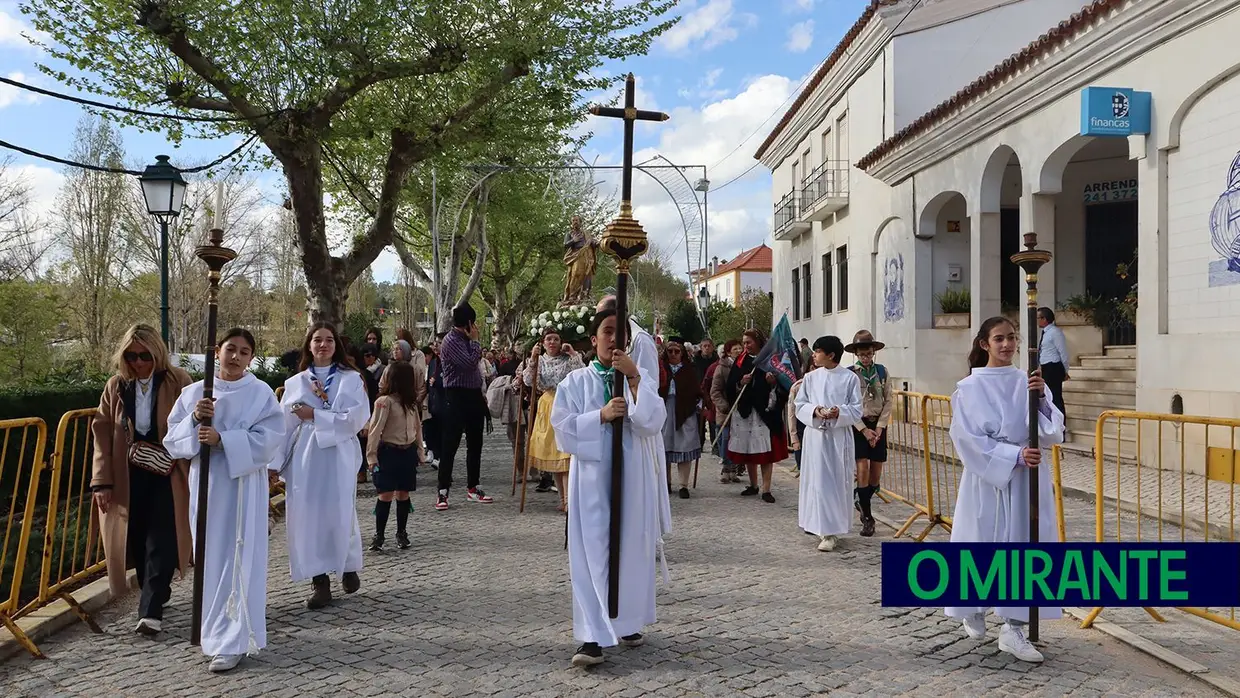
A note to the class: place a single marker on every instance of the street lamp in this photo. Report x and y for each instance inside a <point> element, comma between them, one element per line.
<point>163,188</point>
<point>704,303</point>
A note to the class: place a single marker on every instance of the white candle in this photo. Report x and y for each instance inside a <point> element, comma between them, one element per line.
<point>219,206</point>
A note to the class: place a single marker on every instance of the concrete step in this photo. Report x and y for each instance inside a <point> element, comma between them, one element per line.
<point>1117,400</point>
<point>1126,351</point>
<point>1088,413</point>
<point>1104,374</point>
<point>1116,387</point>
<point>1117,362</point>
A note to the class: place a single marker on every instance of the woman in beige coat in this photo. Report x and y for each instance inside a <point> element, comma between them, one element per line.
<point>144,514</point>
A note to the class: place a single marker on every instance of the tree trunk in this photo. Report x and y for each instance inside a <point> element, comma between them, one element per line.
<point>327,285</point>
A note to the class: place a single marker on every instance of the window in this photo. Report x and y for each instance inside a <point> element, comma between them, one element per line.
<point>796,294</point>
<point>796,180</point>
<point>805,168</point>
<point>807,290</point>
<point>826,284</point>
<point>841,139</point>
<point>828,146</point>
<point>841,262</point>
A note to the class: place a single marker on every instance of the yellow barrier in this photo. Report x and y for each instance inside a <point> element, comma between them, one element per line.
<point>923,470</point>
<point>22,444</point>
<point>72,541</point>
<point>1134,445</point>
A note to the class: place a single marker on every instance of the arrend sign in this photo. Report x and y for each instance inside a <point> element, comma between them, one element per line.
<point>1114,111</point>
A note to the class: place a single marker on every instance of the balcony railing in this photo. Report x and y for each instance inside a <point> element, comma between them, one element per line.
<point>785,212</point>
<point>824,191</point>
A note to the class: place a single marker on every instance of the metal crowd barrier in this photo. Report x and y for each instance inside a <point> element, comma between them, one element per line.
<point>22,444</point>
<point>923,470</point>
<point>1131,470</point>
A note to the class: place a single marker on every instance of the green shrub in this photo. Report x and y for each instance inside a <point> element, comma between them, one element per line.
<point>954,301</point>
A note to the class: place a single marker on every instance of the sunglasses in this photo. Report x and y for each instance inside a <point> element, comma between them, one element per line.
<point>135,356</point>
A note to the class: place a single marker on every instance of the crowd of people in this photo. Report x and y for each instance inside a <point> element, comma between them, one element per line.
<point>392,411</point>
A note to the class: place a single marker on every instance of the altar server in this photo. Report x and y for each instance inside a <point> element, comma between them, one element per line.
<point>246,431</point>
<point>829,404</point>
<point>325,406</point>
<point>990,429</point>
<point>584,414</point>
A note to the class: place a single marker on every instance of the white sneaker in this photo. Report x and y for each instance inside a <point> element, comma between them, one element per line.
<point>826,544</point>
<point>1013,641</point>
<point>149,627</point>
<point>224,662</point>
<point>975,626</point>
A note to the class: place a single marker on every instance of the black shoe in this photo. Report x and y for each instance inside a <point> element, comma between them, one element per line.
<point>588,654</point>
<point>376,544</point>
<point>543,487</point>
<point>350,582</point>
<point>768,497</point>
<point>750,491</point>
<point>684,492</point>
<point>867,527</point>
<point>321,592</point>
<point>402,540</point>
<point>634,640</point>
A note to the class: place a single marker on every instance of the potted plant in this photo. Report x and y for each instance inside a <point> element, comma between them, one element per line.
<point>1084,309</point>
<point>954,306</point>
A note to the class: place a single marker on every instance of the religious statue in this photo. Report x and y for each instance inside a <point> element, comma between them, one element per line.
<point>580,261</point>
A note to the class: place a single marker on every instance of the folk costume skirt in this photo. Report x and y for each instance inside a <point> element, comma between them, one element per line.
<point>544,453</point>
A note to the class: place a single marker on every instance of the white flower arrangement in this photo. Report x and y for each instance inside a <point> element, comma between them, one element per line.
<point>571,322</point>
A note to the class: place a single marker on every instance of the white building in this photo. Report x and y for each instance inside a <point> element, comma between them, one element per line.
<point>941,196</point>
<point>727,281</point>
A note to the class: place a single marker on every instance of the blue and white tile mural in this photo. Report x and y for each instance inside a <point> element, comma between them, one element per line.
<point>1225,231</point>
<point>893,287</point>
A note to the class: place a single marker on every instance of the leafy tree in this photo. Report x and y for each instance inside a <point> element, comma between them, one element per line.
<point>29,315</point>
<point>728,322</point>
<point>682,319</point>
<point>384,85</point>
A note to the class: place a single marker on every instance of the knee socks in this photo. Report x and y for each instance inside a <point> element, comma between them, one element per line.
<point>403,507</point>
<point>864,494</point>
<point>382,509</point>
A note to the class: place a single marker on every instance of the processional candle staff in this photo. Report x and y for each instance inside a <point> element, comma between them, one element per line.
<point>215,255</point>
<point>1031,260</point>
<point>625,240</point>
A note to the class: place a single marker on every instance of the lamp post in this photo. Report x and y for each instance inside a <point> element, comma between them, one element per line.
<point>163,188</point>
<point>704,303</point>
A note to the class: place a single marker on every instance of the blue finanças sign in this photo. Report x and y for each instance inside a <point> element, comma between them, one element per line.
<point>1061,574</point>
<point>1114,111</point>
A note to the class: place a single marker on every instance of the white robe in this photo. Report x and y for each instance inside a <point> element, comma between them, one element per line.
<point>828,457</point>
<point>251,427</point>
<point>579,432</point>
<point>323,531</point>
<point>990,426</point>
<point>646,355</point>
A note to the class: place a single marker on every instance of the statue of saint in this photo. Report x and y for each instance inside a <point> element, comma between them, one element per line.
<point>580,260</point>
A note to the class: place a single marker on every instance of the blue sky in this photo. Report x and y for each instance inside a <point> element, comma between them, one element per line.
<point>725,74</point>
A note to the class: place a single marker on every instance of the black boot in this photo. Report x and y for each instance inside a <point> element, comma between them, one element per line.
<point>321,592</point>
<point>403,508</point>
<point>350,582</point>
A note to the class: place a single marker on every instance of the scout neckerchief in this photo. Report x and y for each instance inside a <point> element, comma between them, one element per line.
<point>608,375</point>
<point>321,389</point>
<point>873,380</point>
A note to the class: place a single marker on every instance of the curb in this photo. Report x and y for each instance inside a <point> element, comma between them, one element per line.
<point>1198,671</point>
<point>41,623</point>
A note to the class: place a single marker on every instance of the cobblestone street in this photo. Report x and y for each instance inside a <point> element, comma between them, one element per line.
<point>480,606</point>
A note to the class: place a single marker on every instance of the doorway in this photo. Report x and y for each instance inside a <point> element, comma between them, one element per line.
<point>1111,241</point>
<point>1010,297</point>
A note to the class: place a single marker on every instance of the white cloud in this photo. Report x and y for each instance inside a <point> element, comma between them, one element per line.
<point>12,27</point>
<point>801,36</point>
<point>10,95</point>
<point>798,5</point>
<point>706,26</point>
<point>44,183</point>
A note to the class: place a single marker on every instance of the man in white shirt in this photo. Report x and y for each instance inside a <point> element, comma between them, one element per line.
<point>1053,356</point>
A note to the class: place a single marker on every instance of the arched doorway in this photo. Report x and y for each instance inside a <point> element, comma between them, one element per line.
<point>999,285</point>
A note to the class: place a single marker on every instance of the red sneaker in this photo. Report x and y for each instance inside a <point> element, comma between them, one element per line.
<point>477,495</point>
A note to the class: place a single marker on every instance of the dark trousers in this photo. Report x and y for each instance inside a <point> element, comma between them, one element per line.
<point>430,435</point>
<point>152,539</point>
<point>465,415</point>
<point>1053,374</point>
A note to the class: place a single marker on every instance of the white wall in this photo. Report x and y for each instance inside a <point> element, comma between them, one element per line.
<point>933,64</point>
<point>947,249</point>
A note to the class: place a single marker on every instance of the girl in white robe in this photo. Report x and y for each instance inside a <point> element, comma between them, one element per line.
<point>582,418</point>
<point>829,404</point>
<point>990,430</point>
<point>325,406</point>
<point>246,432</point>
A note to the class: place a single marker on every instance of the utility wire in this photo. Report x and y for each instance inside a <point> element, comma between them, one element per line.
<point>121,170</point>
<point>129,110</point>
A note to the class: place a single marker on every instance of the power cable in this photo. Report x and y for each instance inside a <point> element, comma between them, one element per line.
<point>129,110</point>
<point>121,170</point>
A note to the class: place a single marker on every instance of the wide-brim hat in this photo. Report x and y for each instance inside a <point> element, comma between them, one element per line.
<point>863,340</point>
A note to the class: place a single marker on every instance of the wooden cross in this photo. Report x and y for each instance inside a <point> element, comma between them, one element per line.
<point>625,240</point>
